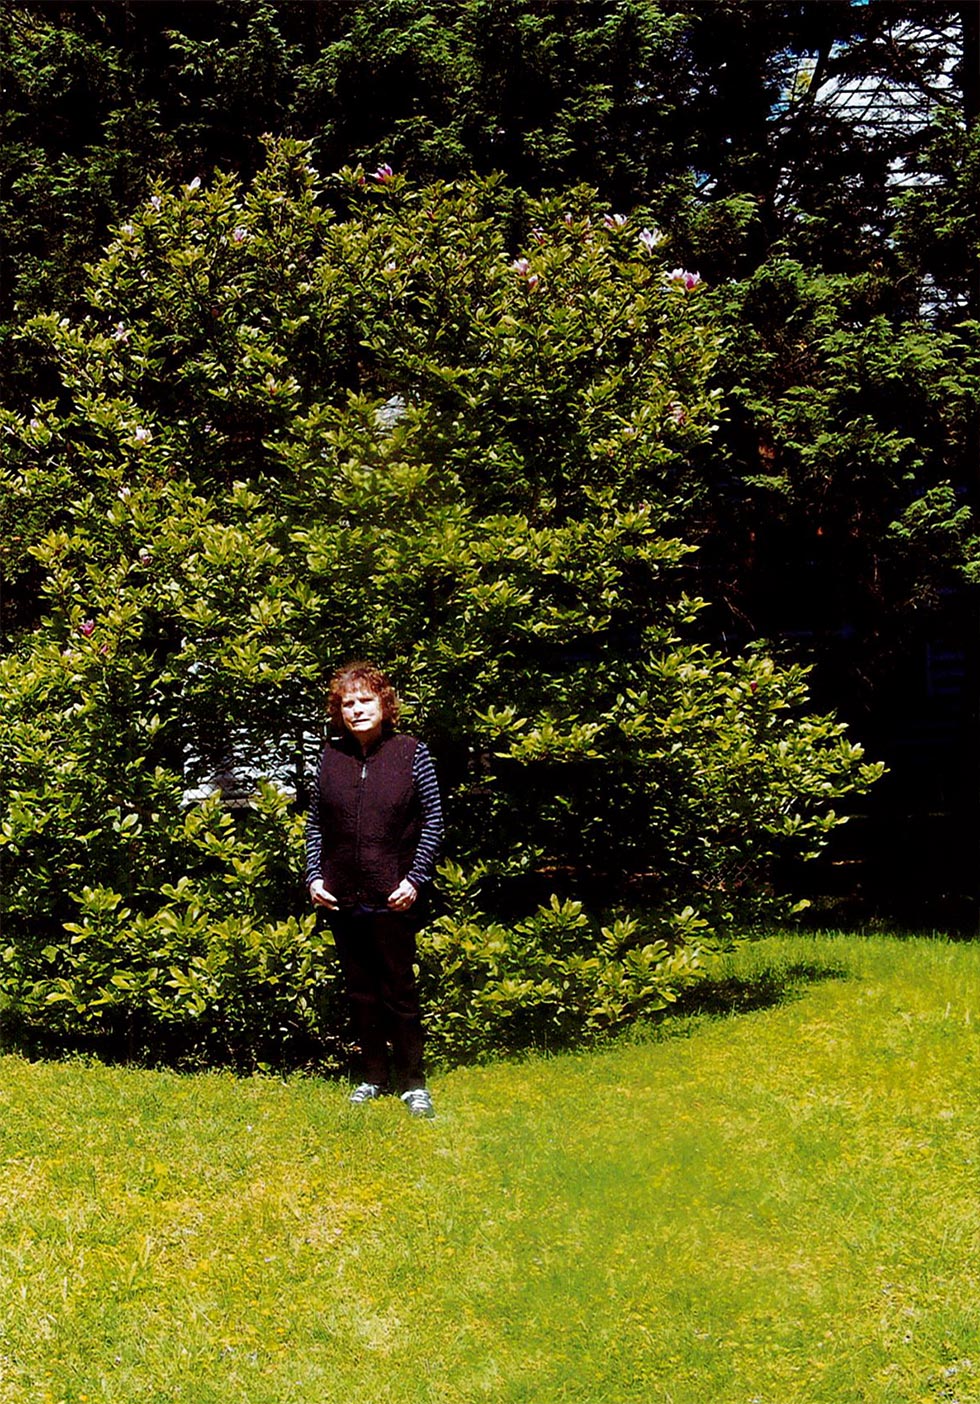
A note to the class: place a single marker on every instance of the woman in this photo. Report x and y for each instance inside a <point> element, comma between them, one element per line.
<point>372,838</point>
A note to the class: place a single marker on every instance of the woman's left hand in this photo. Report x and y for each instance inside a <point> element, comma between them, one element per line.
<point>403,896</point>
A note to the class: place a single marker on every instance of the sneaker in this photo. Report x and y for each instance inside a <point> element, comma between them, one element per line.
<point>365,1092</point>
<point>419,1102</point>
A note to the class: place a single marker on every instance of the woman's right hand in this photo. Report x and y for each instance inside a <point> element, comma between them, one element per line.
<point>321,897</point>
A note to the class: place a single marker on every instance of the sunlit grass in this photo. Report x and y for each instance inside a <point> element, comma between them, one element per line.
<point>781,1205</point>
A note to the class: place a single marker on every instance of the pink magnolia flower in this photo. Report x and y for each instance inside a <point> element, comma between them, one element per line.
<point>677,413</point>
<point>239,234</point>
<point>681,275</point>
<point>155,201</point>
<point>141,434</point>
<point>539,236</point>
<point>614,221</point>
<point>195,184</point>
<point>87,628</point>
<point>120,333</point>
<point>523,267</point>
<point>651,238</point>
<point>384,172</point>
<point>127,229</point>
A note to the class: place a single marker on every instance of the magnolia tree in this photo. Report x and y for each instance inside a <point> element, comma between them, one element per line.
<point>317,419</point>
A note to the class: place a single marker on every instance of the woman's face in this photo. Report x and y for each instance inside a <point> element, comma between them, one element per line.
<point>362,713</point>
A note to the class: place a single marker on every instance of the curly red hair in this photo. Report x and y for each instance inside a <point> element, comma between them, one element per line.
<point>360,674</point>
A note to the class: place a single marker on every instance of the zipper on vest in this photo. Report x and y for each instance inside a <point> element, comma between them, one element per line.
<point>357,827</point>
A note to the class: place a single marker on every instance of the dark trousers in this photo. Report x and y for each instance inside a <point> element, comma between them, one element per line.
<point>377,957</point>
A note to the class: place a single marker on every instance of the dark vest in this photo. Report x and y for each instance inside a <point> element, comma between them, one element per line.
<point>370,818</point>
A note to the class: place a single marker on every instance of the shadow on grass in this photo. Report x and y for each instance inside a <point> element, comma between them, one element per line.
<point>713,998</point>
<point>729,996</point>
<point>763,989</point>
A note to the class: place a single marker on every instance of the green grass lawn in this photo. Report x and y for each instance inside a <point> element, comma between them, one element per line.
<point>777,1205</point>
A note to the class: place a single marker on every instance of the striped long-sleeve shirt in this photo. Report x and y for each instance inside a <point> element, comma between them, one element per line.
<point>422,869</point>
